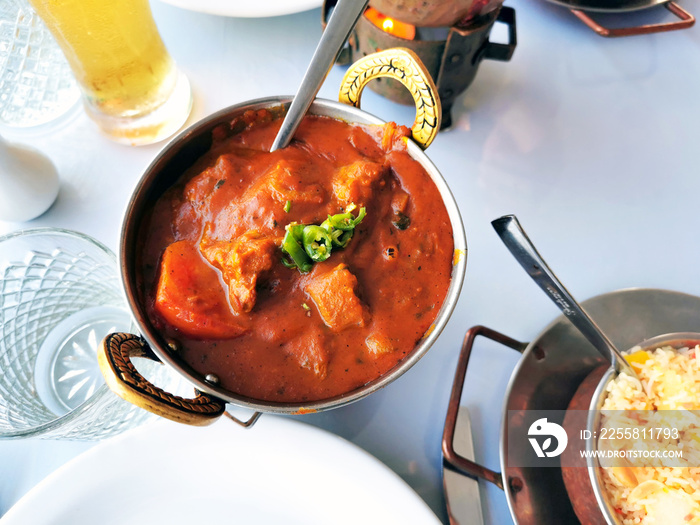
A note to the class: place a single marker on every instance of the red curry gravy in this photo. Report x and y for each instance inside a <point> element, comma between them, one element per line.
<point>214,280</point>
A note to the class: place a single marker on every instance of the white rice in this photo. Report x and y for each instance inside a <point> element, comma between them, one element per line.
<point>668,380</point>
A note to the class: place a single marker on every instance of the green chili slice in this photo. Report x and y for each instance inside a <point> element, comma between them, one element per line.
<point>292,247</point>
<point>296,231</point>
<point>287,261</point>
<point>340,238</point>
<point>317,243</point>
<point>347,221</point>
<point>287,206</point>
<point>303,244</point>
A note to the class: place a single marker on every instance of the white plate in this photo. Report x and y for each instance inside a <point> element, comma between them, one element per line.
<point>279,471</point>
<point>246,8</point>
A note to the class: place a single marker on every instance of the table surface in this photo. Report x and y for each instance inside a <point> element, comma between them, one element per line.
<point>591,142</point>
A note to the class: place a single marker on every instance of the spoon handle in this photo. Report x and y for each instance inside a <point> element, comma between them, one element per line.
<point>517,241</point>
<point>343,19</point>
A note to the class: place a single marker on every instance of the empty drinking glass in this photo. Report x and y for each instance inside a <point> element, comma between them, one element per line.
<point>59,296</point>
<point>36,83</point>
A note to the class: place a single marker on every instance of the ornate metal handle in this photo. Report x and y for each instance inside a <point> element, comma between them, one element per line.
<point>686,20</point>
<point>460,463</point>
<point>114,358</point>
<point>403,65</point>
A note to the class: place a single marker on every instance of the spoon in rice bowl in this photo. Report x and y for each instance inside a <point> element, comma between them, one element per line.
<point>519,244</point>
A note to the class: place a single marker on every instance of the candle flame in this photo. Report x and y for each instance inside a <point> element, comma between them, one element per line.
<point>389,25</point>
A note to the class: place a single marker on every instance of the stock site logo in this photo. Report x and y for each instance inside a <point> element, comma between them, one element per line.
<point>542,428</point>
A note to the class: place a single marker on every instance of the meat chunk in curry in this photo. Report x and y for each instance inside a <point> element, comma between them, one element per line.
<point>310,352</point>
<point>354,183</point>
<point>241,262</point>
<point>333,291</point>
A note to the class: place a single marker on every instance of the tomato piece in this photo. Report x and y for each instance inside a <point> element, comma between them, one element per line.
<point>191,297</point>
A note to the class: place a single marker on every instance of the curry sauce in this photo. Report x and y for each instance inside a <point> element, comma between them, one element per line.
<point>214,277</point>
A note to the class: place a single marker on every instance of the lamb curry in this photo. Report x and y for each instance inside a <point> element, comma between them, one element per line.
<point>301,274</point>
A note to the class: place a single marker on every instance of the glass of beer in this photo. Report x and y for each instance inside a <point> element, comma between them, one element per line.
<point>130,84</point>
